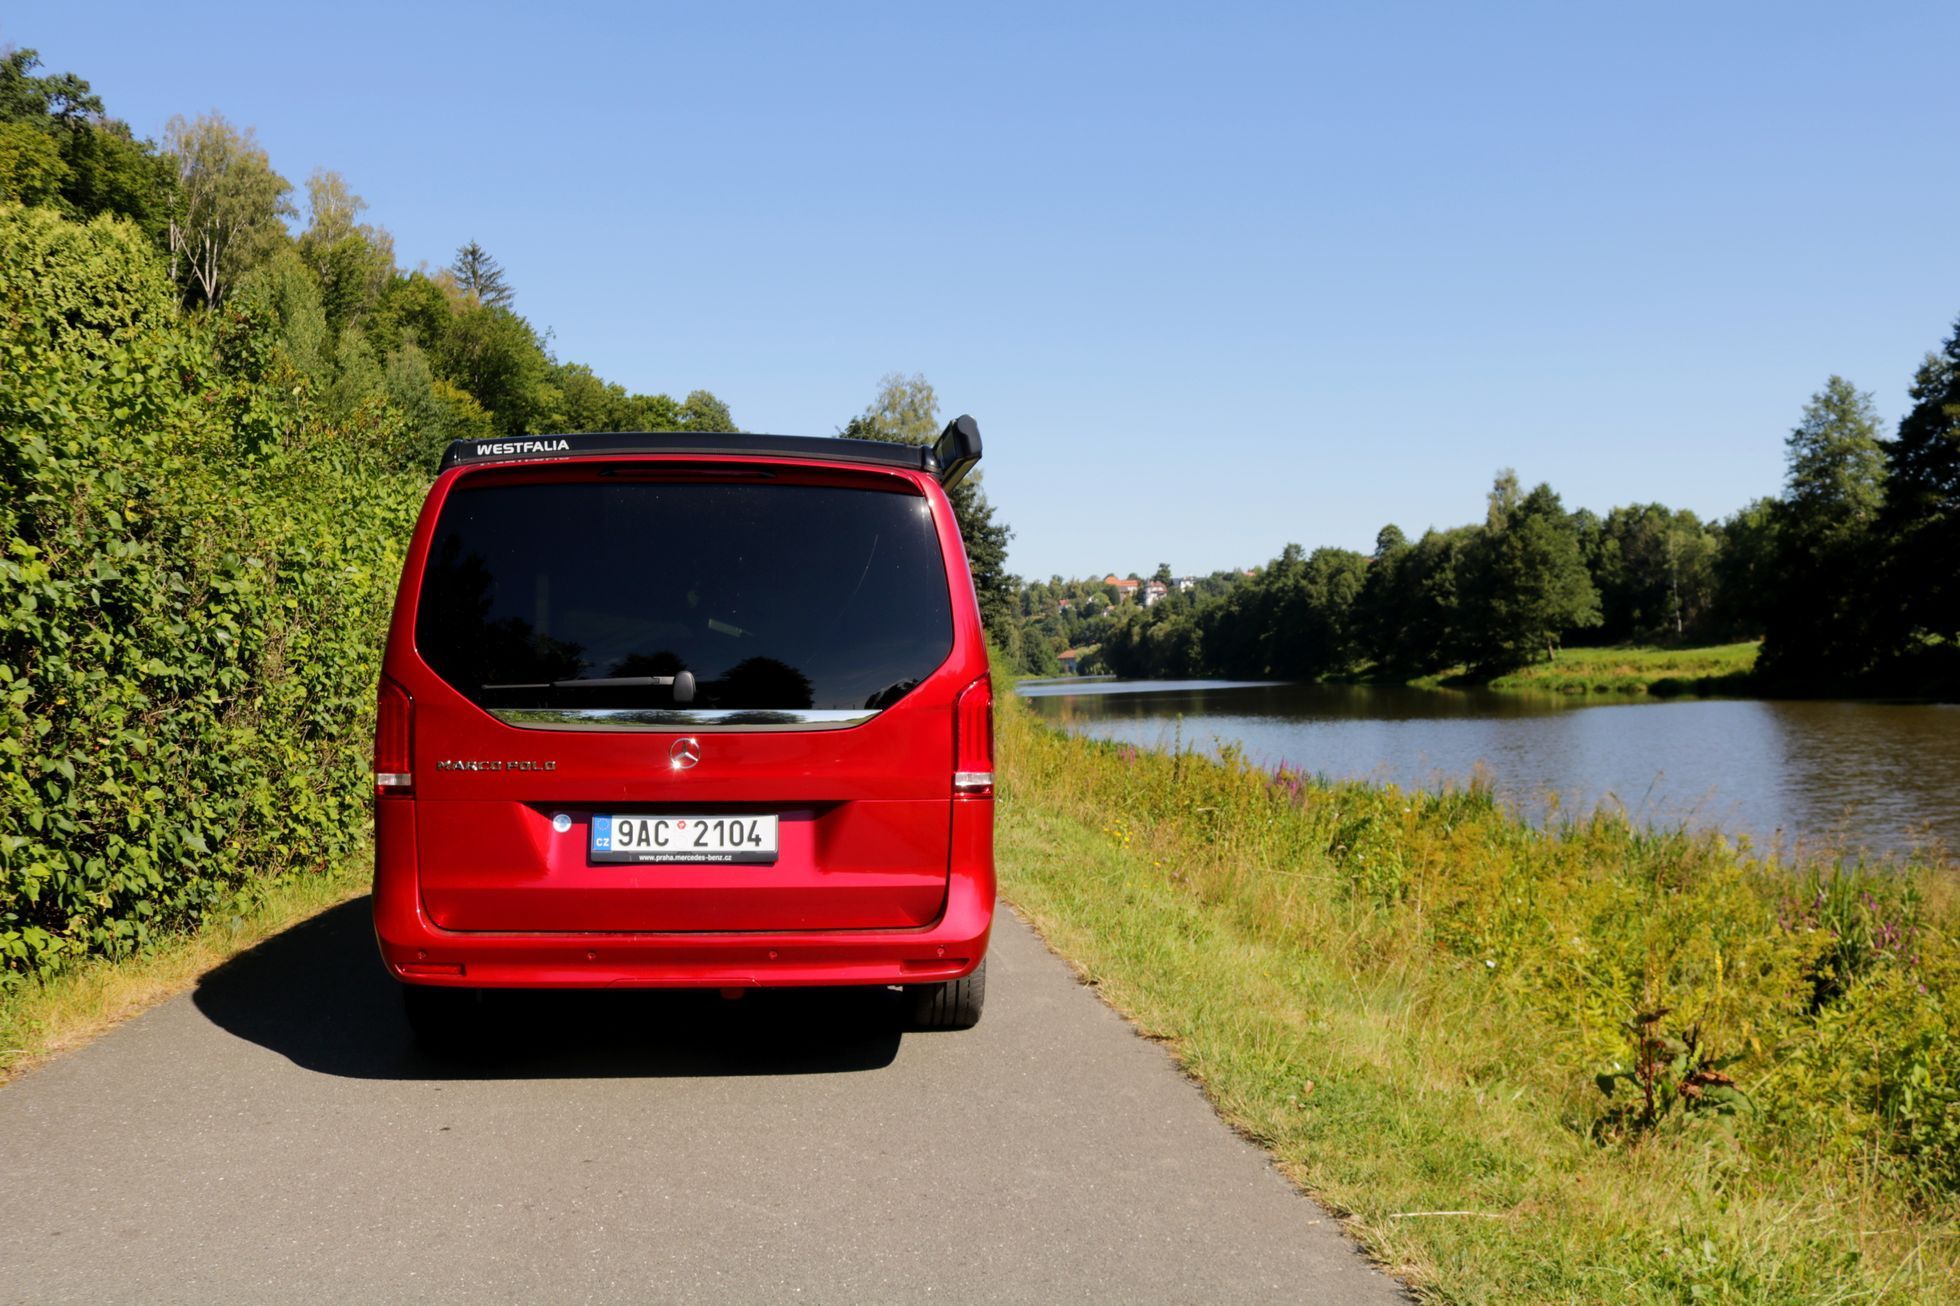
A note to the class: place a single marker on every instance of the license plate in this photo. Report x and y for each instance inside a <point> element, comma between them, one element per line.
<point>653,839</point>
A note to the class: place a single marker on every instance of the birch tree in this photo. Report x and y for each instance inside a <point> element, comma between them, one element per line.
<point>354,260</point>
<point>229,205</point>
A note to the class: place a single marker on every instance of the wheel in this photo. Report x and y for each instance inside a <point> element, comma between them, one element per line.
<point>445,1022</point>
<point>955,1004</point>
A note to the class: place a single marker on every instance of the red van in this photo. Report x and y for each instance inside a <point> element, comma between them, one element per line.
<point>704,710</point>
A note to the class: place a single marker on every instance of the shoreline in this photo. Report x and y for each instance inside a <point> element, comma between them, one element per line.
<point>1618,674</point>
<point>1408,999</point>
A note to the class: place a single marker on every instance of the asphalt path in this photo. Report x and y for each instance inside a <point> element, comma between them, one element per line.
<point>275,1135</point>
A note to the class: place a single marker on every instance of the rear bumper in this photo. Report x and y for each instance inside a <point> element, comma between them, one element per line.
<point>416,951</point>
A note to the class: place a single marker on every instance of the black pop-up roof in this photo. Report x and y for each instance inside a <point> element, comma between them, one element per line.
<point>950,458</point>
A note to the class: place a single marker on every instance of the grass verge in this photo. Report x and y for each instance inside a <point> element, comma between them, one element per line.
<point>1407,999</point>
<point>40,1019</point>
<point>1713,669</point>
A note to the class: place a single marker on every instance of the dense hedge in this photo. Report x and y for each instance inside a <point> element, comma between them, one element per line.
<point>195,569</point>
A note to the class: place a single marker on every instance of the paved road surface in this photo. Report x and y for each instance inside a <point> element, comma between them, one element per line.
<point>274,1135</point>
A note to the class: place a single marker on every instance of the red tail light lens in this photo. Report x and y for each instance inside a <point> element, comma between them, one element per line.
<point>973,740</point>
<point>394,729</point>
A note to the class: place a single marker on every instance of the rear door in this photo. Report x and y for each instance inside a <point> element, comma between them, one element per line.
<point>739,674</point>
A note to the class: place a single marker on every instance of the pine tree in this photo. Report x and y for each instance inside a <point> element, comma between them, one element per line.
<point>1922,510</point>
<point>475,270</point>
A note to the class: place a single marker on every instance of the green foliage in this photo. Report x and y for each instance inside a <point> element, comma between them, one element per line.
<point>1817,622</point>
<point>1669,1071</point>
<point>906,411</point>
<point>353,262</point>
<point>284,295</point>
<point>231,205</point>
<point>188,611</point>
<point>1836,465</point>
<point>1849,578</point>
<point>1747,559</point>
<point>481,275</point>
<point>413,309</point>
<point>1411,999</point>
<point>203,510</point>
<point>701,411</point>
<point>434,412</point>
<point>1412,601</point>
<point>1532,582</point>
<point>31,170</point>
<point>1497,595</point>
<point>1922,517</point>
<point>1655,569</point>
<point>493,354</point>
<point>587,403</point>
<point>1039,658</point>
<point>1701,669</point>
<point>59,98</point>
<point>1865,922</point>
<point>111,171</point>
<point>57,146</point>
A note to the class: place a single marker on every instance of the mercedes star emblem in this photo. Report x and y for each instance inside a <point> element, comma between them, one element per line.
<point>685,753</point>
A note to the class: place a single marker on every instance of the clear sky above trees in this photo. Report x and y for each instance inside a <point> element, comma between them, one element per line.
<point>1212,278</point>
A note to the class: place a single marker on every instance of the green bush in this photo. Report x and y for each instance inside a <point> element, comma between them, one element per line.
<point>195,569</point>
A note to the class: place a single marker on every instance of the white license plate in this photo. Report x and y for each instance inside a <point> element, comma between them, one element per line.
<point>643,839</point>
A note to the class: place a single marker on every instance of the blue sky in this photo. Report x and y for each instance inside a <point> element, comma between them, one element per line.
<point>1212,278</point>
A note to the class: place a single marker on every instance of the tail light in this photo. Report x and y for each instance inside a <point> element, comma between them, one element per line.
<point>973,741</point>
<point>394,728</point>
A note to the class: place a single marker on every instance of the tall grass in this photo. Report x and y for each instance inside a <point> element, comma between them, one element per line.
<point>1713,669</point>
<point>1419,1002</point>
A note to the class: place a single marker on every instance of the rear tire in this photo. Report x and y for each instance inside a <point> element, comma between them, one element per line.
<point>446,1022</point>
<point>956,1004</point>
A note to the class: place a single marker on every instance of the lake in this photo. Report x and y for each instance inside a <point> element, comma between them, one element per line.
<point>1820,775</point>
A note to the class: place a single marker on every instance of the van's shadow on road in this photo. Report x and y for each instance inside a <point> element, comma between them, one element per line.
<point>317,995</point>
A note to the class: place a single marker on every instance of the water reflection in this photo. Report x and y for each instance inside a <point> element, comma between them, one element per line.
<point>1880,776</point>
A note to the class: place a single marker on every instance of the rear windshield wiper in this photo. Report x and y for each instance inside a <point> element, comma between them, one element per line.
<point>683,683</point>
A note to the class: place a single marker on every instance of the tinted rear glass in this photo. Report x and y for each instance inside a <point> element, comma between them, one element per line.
<point>772,596</point>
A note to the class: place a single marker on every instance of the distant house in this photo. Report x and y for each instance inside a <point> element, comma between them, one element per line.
<point>1185,584</point>
<point>1125,589</point>
<point>1154,591</point>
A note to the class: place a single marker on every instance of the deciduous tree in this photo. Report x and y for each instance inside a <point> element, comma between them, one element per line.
<point>31,170</point>
<point>1531,584</point>
<point>906,411</point>
<point>701,411</point>
<point>62,98</point>
<point>98,165</point>
<point>229,205</point>
<point>354,260</point>
<point>1819,619</point>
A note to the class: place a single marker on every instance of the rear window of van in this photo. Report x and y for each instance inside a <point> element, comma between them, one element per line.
<point>771,597</point>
